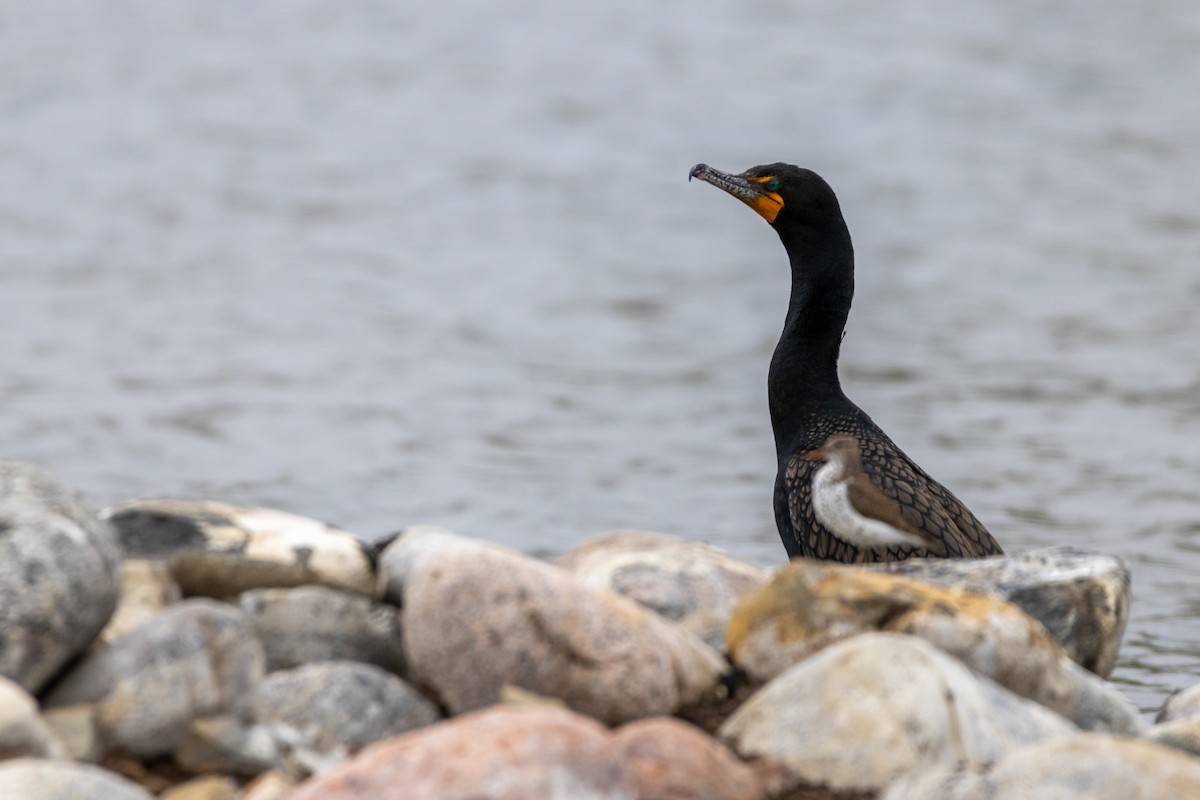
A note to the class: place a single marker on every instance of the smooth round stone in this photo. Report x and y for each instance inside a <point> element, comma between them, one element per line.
<point>220,550</point>
<point>402,555</point>
<point>478,619</point>
<point>326,711</point>
<point>59,575</point>
<point>195,659</point>
<point>315,623</point>
<point>23,732</point>
<point>37,779</point>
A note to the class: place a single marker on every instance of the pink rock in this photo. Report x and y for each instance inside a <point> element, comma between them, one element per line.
<point>671,759</point>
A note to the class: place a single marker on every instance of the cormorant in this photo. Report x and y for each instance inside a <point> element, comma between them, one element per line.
<point>806,399</point>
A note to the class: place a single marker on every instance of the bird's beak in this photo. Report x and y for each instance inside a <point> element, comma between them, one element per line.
<point>814,455</point>
<point>750,191</point>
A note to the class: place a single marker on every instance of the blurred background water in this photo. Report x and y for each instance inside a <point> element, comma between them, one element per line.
<point>383,263</point>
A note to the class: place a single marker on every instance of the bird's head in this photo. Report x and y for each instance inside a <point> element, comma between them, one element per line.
<point>839,449</point>
<point>780,193</point>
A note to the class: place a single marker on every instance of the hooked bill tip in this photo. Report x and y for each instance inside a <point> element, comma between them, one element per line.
<point>696,170</point>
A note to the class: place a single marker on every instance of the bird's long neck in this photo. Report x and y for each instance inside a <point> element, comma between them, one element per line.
<point>803,375</point>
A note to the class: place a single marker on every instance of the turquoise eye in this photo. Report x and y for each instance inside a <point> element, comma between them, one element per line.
<point>773,185</point>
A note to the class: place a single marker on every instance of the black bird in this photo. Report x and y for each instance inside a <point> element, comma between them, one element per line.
<point>806,399</point>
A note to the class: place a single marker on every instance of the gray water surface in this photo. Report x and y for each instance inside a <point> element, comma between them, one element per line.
<point>386,263</point>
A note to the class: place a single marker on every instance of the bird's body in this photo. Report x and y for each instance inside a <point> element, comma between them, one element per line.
<point>804,392</point>
<point>855,510</point>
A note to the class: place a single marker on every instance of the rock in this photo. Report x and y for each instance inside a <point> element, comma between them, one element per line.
<point>810,604</point>
<point>671,759</point>
<point>220,550</point>
<point>59,575</point>
<point>315,623</point>
<point>687,582</point>
<point>269,786</point>
<point>195,659</point>
<point>540,753</point>
<point>866,710</point>
<point>40,779</point>
<point>1084,767</point>
<point>75,727</point>
<point>1080,596</point>
<point>22,730</point>
<point>321,713</point>
<point>479,618</point>
<point>210,787</point>
<point>400,556</point>
<point>1181,734</point>
<point>229,745</point>
<point>1182,704</point>
<point>1099,706</point>
<point>500,753</point>
<point>146,588</point>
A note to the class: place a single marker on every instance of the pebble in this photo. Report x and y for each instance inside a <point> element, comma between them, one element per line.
<point>23,732</point>
<point>40,779</point>
<point>59,575</point>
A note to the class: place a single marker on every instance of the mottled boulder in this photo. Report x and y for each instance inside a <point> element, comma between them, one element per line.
<point>38,779</point>
<point>321,713</point>
<point>810,604</point>
<point>195,659</point>
<point>59,575</point>
<point>687,582</point>
<point>220,550</point>
<point>146,588</point>
<point>1083,767</point>
<point>401,556</point>
<point>1080,596</point>
<point>864,711</point>
<point>506,753</point>
<point>315,623</point>
<point>22,730</point>
<point>477,619</point>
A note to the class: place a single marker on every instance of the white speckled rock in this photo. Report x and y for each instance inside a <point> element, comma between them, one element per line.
<point>192,660</point>
<point>809,604</point>
<point>220,550</point>
<point>22,730</point>
<point>401,555</point>
<point>321,713</point>
<point>866,710</point>
<point>1084,767</point>
<point>315,623</point>
<point>37,779</point>
<point>477,619</point>
<point>59,575</point>
<point>691,583</point>
<point>1080,596</point>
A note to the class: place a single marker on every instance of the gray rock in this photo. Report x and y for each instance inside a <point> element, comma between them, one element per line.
<point>220,550</point>
<point>864,711</point>
<point>477,619</point>
<point>195,659</point>
<point>22,730</point>
<point>1084,767</point>
<point>1080,596</point>
<point>37,779</point>
<point>321,713</point>
<point>1182,704</point>
<point>314,623</point>
<point>59,575</point>
<point>687,582</point>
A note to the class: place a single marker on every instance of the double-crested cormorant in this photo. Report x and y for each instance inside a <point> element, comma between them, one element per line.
<point>806,399</point>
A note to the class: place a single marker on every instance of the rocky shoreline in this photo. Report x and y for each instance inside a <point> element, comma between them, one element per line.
<point>199,651</point>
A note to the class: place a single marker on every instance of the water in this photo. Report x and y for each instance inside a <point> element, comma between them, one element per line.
<point>384,263</point>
